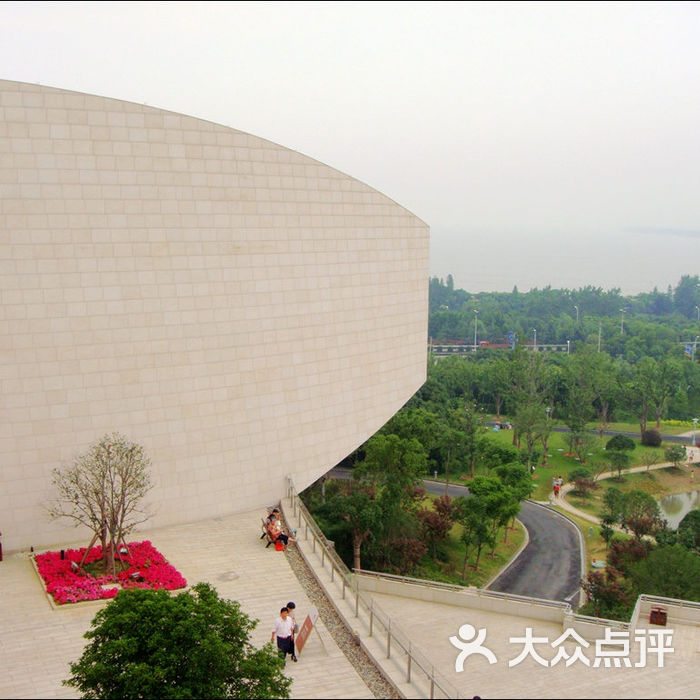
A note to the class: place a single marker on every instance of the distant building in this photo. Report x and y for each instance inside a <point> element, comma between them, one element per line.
<point>241,310</point>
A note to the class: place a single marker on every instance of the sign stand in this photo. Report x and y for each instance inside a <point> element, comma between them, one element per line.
<point>305,631</point>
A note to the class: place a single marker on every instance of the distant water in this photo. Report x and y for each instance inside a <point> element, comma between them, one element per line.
<point>675,508</point>
<point>632,261</point>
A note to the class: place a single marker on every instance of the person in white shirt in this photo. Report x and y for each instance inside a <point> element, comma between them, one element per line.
<point>292,608</point>
<point>283,629</point>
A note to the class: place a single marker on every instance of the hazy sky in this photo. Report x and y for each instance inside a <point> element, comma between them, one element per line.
<point>544,143</point>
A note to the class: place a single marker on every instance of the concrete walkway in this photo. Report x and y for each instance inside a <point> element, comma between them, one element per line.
<point>425,626</point>
<point>37,641</point>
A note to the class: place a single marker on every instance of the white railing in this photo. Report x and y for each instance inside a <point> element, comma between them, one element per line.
<point>380,626</point>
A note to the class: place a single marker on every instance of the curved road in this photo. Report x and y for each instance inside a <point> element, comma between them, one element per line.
<point>548,567</point>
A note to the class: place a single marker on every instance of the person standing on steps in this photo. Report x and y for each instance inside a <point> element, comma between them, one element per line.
<point>283,629</point>
<point>291,607</point>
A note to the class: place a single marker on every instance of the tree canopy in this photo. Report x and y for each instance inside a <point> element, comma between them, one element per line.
<point>147,644</point>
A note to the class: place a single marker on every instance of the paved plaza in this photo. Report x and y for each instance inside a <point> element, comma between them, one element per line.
<point>432,624</point>
<point>38,641</point>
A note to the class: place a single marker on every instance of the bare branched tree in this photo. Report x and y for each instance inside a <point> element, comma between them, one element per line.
<point>103,490</point>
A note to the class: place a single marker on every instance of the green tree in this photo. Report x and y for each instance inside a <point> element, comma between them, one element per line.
<point>499,503</point>
<point>641,512</point>
<point>352,508</point>
<point>471,514</point>
<point>649,458</point>
<point>392,470</point>
<point>607,533</point>
<point>666,379</point>
<point>606,382</point>
<point>580,393</point>
<point>494,454</point>
<point>393,466</point>
<point>652,384</point>
<point>619,461</point>
<point>686,295</point>
<point>470,423</point>
<point>497,380</point>
<point>689,530</point>
<point>614,502</point>
<point>673,572</point>
<point>147,644</point>
<point>675,454</point>
<point>518,479</point>
<point>451,444</point>
<point>529,397</point>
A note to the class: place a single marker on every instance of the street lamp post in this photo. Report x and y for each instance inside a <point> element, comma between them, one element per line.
<point>534,330</point>
<point>476,316</point>
<point>568,346</point>
<point>576,307</point>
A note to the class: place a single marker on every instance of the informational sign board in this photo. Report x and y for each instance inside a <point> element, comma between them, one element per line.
<point>306,628</point>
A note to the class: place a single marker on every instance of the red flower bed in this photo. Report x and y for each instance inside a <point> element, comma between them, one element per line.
<point>146,568</point>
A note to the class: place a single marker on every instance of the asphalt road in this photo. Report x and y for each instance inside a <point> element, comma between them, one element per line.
<point>550,565</point>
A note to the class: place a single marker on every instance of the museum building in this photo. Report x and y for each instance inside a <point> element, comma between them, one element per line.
<point>241,310</point>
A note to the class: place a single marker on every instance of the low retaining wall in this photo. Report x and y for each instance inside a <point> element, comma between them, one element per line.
<point>490,601</point>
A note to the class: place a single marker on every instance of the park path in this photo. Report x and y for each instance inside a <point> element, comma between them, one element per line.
<point>566,488</point>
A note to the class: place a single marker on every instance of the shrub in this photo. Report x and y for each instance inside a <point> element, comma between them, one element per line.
<point>584,486</point>
<point>651,438</point>
<point>620,443</point>
<point>148,644</point>
<point>582,479</point>
<point>580,473</point>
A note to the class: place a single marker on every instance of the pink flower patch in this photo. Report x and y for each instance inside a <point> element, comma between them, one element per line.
<point>147,568</point>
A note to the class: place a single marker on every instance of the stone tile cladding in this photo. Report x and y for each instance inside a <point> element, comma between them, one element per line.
<point>241,310</point>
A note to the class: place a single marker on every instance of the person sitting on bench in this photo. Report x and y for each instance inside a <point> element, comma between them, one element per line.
<point>266,524</point>
<point>275,530</point>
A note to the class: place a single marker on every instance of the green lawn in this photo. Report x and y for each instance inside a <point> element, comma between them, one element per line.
<point>560,465</point>
<point>668,427</point>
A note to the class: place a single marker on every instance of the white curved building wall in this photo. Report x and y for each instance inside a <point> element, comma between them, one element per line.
<point>241,310</point>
